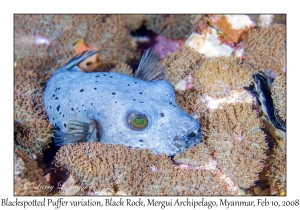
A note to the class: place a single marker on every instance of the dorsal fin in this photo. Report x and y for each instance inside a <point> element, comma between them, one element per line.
<point>149,68</point>
<point>77,59</point>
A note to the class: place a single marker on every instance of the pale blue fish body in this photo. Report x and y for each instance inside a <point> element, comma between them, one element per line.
<point>116,108</point>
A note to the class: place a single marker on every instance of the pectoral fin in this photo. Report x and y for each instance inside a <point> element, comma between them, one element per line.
<point>78,132</point>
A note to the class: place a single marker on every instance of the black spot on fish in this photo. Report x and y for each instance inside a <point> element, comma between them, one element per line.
<point>72,109</point>
<point>128,84</point>
<point>53,95</point>
<point>141,140</point>
<point>58,88</point>
<point>50,107</point>
<point>53,118</point>
<point>97,76</point>
<point>65,125</point>
<point>162,114</point>
<point>57,108</point>
<point>113,93</point>
<point>174,105</point>
<point>60,113</point>
<point>110,76</point>
<point>96,81</point>
<point>141,93</point>
<point>77,108</point>
<point>134,99</point>
<point>56,98</point>
<point>95,88</point>
<point>70,100</point>
<point>81,90</point>
<point>92,104</point>
<point>63,115</point>
<point>170,103</point>
<point>135,82</point>
<point>82,104</point>
<point>116,102</point>
<point>141,102</point>
<point>104,75</point>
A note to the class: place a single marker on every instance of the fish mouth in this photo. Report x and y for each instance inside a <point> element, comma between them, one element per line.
<point>187,139</point>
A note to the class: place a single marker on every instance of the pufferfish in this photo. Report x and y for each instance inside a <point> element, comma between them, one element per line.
<point>115,108</point>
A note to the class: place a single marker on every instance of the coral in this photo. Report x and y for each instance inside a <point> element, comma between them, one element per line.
<point>195,19</point>
<point>218,76</point>
<point>170,26</point>
<point>233,27</point>
<point>278,90</point>
<point>209,43</point>
<point>108,166</point>
<point>134,22</point>
<point>236,141</point>
<point>195,156</point>
<point>87,165</point>
<point>114,167</point>
<point>183,62</point>
<point>107,32</point>
<point>195,182</point>
<point>116,163</point>
<point>277,168</point>
<point>28,178</point>
<point>265,48</point>
<point>191,103</point>
<point>113,39</point>
<point>122,68</point>
<point>31,127</point>
<point>47,35</point>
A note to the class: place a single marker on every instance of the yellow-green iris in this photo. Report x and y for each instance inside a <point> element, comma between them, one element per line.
<point>138,121</point>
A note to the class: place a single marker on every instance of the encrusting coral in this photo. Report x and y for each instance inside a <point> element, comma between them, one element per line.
<point>191,102</point>
<point>218,76</point>
<point>134,21</point>
<point>114,40</point>
<point>123,68</point>
<point>31,126</point>
<point>109,166</point>
<point>232,27</point>
<point>115,167</point>
<point>278,90</point>
<point>236,141</point>
<point>58,33</point>
<point>170,26</point>
<point>185,61</point>
<point>277,168</point>
<point>28,178</point>
<point>195,156</point>
<point>265,48</point>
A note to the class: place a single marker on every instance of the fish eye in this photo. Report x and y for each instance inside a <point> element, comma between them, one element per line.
<point>137,121</point>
